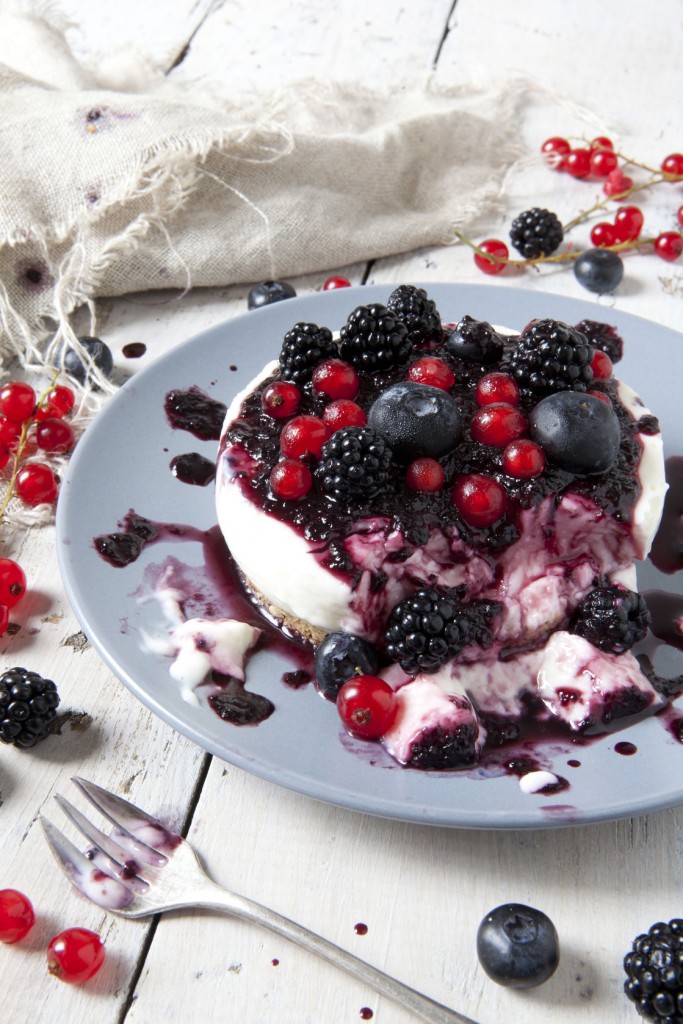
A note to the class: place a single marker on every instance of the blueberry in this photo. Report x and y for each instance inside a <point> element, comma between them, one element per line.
<point>476,341</point>
<point>98,352</point>
<point>269,291</point>
<point>578,432</point>
<point>518,946</point>
<point>340,656</point>
<point>599,270</point>
<point>416,420</point>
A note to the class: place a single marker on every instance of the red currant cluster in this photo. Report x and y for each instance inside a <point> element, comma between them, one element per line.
<point>12,589</point>
<point>75,955</point>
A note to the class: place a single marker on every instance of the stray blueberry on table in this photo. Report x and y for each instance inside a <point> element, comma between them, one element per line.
<point>654,969</point>
<point>28,707</point>
<point>267,292</point>
<point>536,233</point>
<point>339,657</point>
<point>599,270</point>
<point>518,946</point>
<point>76,366</point>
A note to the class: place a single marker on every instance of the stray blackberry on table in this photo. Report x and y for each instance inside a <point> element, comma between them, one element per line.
<point>536,233</point>
<point>28,707</point>
<point>654,970</point>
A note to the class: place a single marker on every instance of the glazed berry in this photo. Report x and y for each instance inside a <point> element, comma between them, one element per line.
<point>281,399</point>
<point>497,424</point>
<point>75,955</point>
<point>339,657</point>
<point>303,436</point>
<point>28,706</point>
<point>673,165</point>
<point>536,233</point>
<point>416,420</point>
<point>617,183</point>
<point>425,475</point>
<point>343,413</point>
<point>418,312</point>
<point>602,336</point>
<point>523,459</point>
<point>601,365</point>
<point>518,946</point>
<point>497,387</point>
<point>603,235</point>
<point>373,338</point>
<point>669,245</point>
<point>17,401</point>
<point>336,379</point>
<point>479,499</point>
<point>602,162</point>
<point>612,619</point>
<point>496,249</point>
<point>354,464</point>
<point>654,970</point>
<point>332,283</point>
<point>16,916</point>
<point>367,706</point>
<point>12,582</point>
<point>578,163</point>
<point>290,479</point>
<point>628,223</point>
<point>96,352</point>
<point>433,372</point>
<point>268,292</point>
<point>305,345</point>
<point>476,341</point>
<point>54,435</point>
<point>551,356</point>
<point>9,430</point>
<point>555,151</point>
<point>577,432</point>
<point>58,402</point>
<point>36,484</point>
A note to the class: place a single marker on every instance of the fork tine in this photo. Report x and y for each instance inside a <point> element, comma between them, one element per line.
<point>93,883</point>
<point>118,860</point>
<point>131,822</point>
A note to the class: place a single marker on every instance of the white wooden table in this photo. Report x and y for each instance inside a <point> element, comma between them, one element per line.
<point>421,891</point>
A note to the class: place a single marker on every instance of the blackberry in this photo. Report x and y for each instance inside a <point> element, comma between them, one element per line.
<point>613,619</point>
<point>441,749</point>
<point>354,464</point>
<point>373,338</point>
<point>552,356</point>
<point>603,337</point>
<point>536,233</point>
<point>304,346</point>
<point>655,973</point>
<point>28,706</point>
<point>476,341</point>
<point>428,629</point>
<point>417,311</point>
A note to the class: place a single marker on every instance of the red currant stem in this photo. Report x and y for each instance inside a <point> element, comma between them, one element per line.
<point>558,257</point>
<point>19,450</point>
<point>602,203</point>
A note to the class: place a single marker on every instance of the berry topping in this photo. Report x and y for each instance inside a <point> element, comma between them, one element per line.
<point>75,955</point>
<point>440,748</point>
<point>612,619</point>
<point>373,338</point>
<point>428,629</point>
<point>416,420</point>
<point>303,436</point>
<point>305,345</point>
<point>17,401</point>
<point>336,379</point>
<point>28,706</point>
<point>578,432</point>
<point>476,341</point>
<point>290,479</point>
<point>425,475</point>
<point>497,424</point>
<point>479,499</point>
<point>54,435</point>
<point>497,387</point>
<point>417,311</point>
<point>431,371</point>
<point>604,337</point>
<point>36,484</point>
<point>654,970</point>
<point>12,582</point>
<point>523,460</point>
<point>96,352</point>
<point>16,916</point>
<point>551,356</point>
<point>343,413</point>
<point>339,657</point>
<point>601,365</point>
<point>518,946</point>
<point>354,464</point>
<point>599,270</point>
<point>281,399</point>
<point>536,233</point>
<point>268,292</point>
<point>367,706</point>
<point>498,250</point>
<point>332,283</point>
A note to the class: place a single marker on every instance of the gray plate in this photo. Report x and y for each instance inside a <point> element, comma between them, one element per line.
<point>123,462</point>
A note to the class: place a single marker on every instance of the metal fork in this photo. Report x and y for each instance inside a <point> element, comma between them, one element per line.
<point>141,868</point>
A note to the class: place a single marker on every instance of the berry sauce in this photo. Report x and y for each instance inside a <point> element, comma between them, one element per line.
<point>196,412</point>
<point>192,468</point>
<point>366,1013</point>
<point>134,533</point>
<point>134,350</point>
<point>360,928</point>
<point>625,748</point>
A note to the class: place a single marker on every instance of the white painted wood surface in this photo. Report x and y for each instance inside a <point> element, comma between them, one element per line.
<point>584,69</point>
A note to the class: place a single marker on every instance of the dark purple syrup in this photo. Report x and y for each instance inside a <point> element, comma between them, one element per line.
<point>360,928</point>
<point>521,766</point>
<point>665,609</point>
<point>296,679</point>
<point>196,412</point>
<point>275,962</point>
<point>135,532</point>
<point>134,350</point>
<point>667,547</point>
<point>235,704</point>
<point>192,468</point>
<point>366,1013</point>
<point>573,763</point>
<point>625,748</point>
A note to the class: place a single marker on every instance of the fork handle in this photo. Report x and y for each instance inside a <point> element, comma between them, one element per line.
<point>422,1006</point>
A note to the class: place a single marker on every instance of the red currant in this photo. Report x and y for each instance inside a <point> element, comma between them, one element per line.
<point>4,454</point>
<point>496,248</point>
<point>523,459</point>
<point>602,142</point>
<point>628,223</point>
<point>497,424</point>
<point>53,435</point>
<point>336,379</point>
<point>432,371</point>
<point>578,163</point>
<point>679,215</point>
<point>425,475</point>
<point>17,401</point>
<point>290,479</point>
<point>555,151</point>
<point>281,399</point>
<point>673,165</point>
<point>669,245</point>
<point>9,430</point>
<point>336,282</point>
<point>603,235</point>
<point>343,413</point>
<point>497,387</point>
<point>75,955</point>
<point>58,402</point>
<point>367,706</point>
<point>601,365</point>
<point>36,483</point>
<point>617,184</point>
<point>302,436</point>
<point>16,915</point>
<point>602,162</point>
<point>479,499</point>
<point>4,618</point>
<point>12,582</point>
